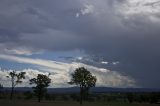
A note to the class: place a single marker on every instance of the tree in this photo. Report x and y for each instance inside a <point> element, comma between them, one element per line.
<point>16,78</point>
<point>84,79</point>
<point>41,82</point>
<point>130,97</point>
<point>154,97</point>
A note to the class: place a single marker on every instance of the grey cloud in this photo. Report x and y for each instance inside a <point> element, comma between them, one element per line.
<point>108,32</point>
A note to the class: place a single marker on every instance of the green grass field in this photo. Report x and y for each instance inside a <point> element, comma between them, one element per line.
<point>67,103</point>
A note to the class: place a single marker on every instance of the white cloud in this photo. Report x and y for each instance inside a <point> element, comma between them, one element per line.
<point>115,63</point>
<point>88,9</point>
<point>141,6</point>
<point>45,63</point>
<point>77,15</point>
<point>104,62</point>
<point>30,73</point>
<point>79,58</point>
<point>60,72</point>
<point>147,8</point>
<point>18,51</point>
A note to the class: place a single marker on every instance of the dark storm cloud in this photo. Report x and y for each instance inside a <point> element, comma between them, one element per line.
<point>101,28</point>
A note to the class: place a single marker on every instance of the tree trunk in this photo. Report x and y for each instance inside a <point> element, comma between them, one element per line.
<point>39,96</point>
<point>81,95</point>
<point>39,99</point>
<point>87,93</point>
<point>12,91</point>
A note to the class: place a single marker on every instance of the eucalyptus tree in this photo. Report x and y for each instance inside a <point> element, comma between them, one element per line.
<point>16,78</point>
<point>41,82</point>
<point>84,79</point>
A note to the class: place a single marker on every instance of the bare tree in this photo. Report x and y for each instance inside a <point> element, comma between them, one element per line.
<point>16,78</point>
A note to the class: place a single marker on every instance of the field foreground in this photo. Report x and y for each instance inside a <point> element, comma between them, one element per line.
<point>66,103</point>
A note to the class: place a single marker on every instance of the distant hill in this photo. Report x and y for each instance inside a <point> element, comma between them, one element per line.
<point>96,89</point>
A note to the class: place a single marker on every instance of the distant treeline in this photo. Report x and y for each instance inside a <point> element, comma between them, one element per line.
<point>95,90</point>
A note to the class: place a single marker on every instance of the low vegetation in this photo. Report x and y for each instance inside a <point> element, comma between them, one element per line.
<point>93,98</point>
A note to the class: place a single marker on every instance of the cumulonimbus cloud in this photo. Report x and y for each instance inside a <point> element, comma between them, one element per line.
<point>60,72</point>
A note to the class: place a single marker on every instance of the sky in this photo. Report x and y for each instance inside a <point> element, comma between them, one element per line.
<point>116,40</point>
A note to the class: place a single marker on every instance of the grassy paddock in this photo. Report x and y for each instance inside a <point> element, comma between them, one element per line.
<point>67,103</point>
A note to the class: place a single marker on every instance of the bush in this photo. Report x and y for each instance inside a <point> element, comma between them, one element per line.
<point>28,95</point>
<point>65,97</point>
<point>130,97</point>
<point>153,98</point>
<point>75,97</point>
